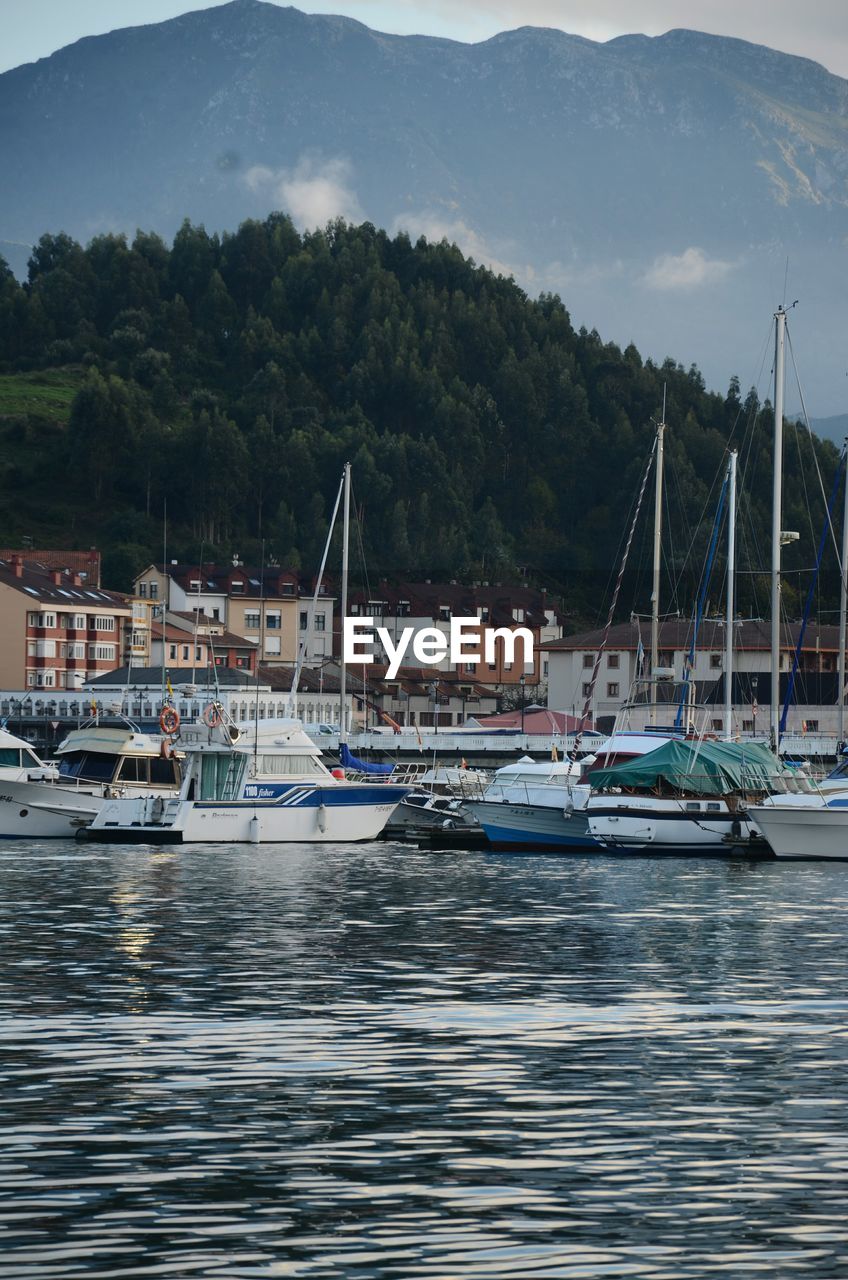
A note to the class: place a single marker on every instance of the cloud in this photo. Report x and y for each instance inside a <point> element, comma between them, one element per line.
<point>688,270</point>
<point>313,193</point>
<point>436,227</point>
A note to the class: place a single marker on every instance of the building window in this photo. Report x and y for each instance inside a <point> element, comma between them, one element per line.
<point>612,689</point>
<point>172,652</point>
<point>154,591</point>
<point>470,668</point>
<point>48,679</point>
<point>80,623</point>
<point>810,726</point>
<point>194,584</point>
<point>102,652</point>
<point>718,725</point>
<point>104,624</point>
<point>198,653</point>
<point>587,689</point>
<point>444,613</point>
<point>613,661</point>
<point>30,677</point>
<point>493,666</point>
<point>251,621</point>
<point>272,620</point>
<point>320,622</point>
<point>588,661</point>
<point>715,661</point>
<point>518,615</point>
<point>483,613</point>
<point>507,666</point>
<point>304,619</point>
<point>32,619</point>
<point>142,590</point>
<point>185,653</point>
<point>747,726</point>
<point>402,610</point>
<point>545,666</point>
<point>237,588</point>
<point>273,645</point>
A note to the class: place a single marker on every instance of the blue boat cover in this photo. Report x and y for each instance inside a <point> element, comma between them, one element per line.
<point>353,762</point>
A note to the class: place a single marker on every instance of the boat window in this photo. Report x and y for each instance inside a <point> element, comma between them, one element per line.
<point>713,808</point>
<point>221,775</point>
<point>164,772</point>
<point>133,769</point>
<point>695,808</point>
<point>287,765</point>
<point>29,758</point>
<point>10,757</point>
<point>88,765</point>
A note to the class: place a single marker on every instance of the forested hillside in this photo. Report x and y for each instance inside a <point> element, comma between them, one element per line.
<point>231,377</point>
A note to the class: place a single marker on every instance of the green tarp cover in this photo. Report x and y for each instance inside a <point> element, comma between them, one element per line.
<point>706,768</point>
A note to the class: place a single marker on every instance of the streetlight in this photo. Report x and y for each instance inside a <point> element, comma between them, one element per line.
<point>522,680</point>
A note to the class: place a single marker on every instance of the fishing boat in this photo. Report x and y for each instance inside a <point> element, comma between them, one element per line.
<point>262,782</point>
<point>95,763</point>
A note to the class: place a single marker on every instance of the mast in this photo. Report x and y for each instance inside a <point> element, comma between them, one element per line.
<point>776,519</point>
<point>843,605</point>
<point>731,585</point>
<point>343,602</point>
<point>655,592</point>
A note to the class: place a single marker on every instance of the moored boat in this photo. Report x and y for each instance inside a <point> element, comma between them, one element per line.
<point>263,783</point>
<point>95,763</point>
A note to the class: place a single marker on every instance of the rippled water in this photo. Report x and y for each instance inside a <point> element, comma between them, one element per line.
<point>375,1062</point>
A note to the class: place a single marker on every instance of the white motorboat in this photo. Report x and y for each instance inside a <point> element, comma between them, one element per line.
<point>18,761</point>
<point>262,782</point>
<point>814,825</point>
<point>95,762</point>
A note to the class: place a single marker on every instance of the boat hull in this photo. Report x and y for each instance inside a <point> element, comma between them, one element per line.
<point>804,832</point>
<point>667,828</point>
<point>528,828</point>
<point>343,814</point>
<point>44,811</point>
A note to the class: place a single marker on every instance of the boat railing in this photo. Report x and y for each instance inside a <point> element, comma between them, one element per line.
<point>403,774</point>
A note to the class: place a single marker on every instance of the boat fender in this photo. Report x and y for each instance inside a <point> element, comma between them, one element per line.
<point>322,817</point>
<point>568,811</point>
<point>169,720</point>
<point>736,828</point>
<point>338,773</point>
<point>167,748</point>
<point>255,830</point>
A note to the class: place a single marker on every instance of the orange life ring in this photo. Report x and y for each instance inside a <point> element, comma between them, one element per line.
<point>169,720</point>
<point>212,716</point>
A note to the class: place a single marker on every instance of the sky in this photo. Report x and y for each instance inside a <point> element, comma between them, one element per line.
<point>815,29</point>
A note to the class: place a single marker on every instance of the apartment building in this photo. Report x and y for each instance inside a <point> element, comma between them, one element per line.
<point>270,608</point>
<point>56,631</point>
<point>496,609</point>
<point>571,662</point>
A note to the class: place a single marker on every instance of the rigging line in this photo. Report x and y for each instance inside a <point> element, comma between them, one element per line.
<point>808,603</point>
<point>806,417</point>
<point>587,706</point>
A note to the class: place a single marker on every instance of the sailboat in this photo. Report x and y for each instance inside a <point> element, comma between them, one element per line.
<point>262,782</point>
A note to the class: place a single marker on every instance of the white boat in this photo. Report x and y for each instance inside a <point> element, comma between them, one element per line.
<point>264,783</point>
<point>95,762</point>
<point>534,807</point>
<point>18,761</point>
<point>810,820</point>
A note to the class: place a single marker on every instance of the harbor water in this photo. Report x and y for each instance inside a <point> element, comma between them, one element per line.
<point>369,1061</point>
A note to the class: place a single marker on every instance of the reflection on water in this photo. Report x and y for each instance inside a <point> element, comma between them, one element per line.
<point>372,1062</point>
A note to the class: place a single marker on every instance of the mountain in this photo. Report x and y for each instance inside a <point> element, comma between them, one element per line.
<point>673,190</point>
